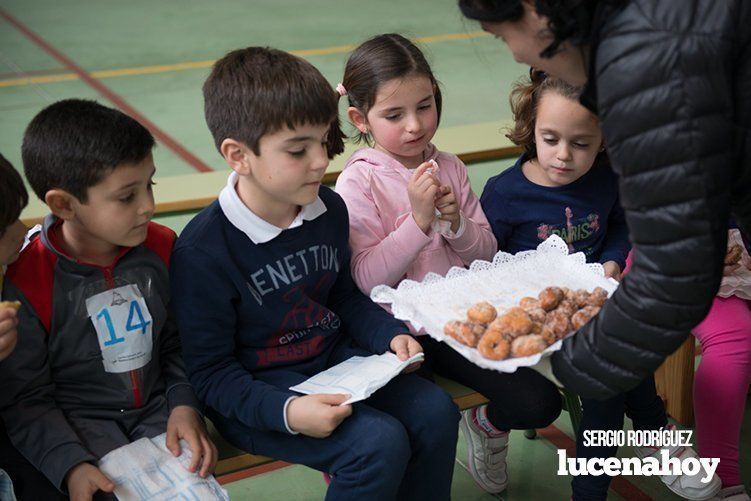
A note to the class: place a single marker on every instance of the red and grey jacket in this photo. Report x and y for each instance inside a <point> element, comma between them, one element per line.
<point>58,396</point>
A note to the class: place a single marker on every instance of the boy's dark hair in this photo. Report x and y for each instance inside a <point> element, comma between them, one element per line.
<point>73,144</point>
<point>570,20</point>
<point>13,195</point>
<point>378,60</point>
<point>256,91</point>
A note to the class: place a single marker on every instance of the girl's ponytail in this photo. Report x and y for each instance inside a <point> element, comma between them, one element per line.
<point>335,139</point>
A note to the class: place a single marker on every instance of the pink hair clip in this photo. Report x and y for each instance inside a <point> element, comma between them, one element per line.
<point>340,89</point>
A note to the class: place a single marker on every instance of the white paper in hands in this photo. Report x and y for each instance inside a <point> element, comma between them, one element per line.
<point>359,377</point>
<point>147,470</point>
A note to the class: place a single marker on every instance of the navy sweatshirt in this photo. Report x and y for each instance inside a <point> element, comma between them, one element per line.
<point>243,307</point>
<point>586,213</point>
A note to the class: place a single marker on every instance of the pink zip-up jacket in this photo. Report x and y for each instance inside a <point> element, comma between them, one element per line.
<point>387,245</point>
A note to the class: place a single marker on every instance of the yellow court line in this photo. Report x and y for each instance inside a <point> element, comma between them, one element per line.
<point>192,65</point>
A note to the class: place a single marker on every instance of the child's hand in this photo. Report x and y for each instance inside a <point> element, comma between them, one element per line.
<point>449,208</point>
<point>317,416</point>
<point>406,346</point>
<point>612,270</point>
<point>185,423</point>
<point>8,333</point>
<point>84,480</point>
<point>422,191</point>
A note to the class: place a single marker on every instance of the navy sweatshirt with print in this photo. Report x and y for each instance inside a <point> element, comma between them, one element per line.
<point>586,213</point>
<point>244,307</point>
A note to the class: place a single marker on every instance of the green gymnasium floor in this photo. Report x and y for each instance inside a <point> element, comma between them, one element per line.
<point>150,59</point>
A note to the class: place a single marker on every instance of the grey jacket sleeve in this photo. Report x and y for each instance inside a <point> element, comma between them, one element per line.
<point>666,107</point>
<point>35,425</point>
<point>178,388</point>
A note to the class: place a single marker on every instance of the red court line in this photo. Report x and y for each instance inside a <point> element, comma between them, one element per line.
<point>158,133</point>
<point>251,472</point>
<point>620,485</point>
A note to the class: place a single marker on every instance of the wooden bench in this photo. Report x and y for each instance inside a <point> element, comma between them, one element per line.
<point>675,382</point>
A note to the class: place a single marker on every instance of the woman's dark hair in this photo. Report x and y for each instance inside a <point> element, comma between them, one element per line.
<point>569,20</point>
<point>13,195</point>
<point>378,60</point>
<point>524,100</point>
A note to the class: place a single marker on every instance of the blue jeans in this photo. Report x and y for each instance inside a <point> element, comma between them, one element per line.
<point>646,411</point>
<point>398,444</point>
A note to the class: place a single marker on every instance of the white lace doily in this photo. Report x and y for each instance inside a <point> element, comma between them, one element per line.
<point>436,300</point>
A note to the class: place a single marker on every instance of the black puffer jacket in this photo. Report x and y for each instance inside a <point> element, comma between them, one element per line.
<point>671,82</point>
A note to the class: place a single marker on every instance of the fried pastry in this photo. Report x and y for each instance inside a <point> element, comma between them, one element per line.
<point>529,303</point>
<point>467,333</point>
<point>559,322</point>
<point>16,305</point>
<point>494,345</point>
<point>482,313</point>
<point>733,255</point>
<point>550,297</point>
<point>597,297</point>
<point>514,323</point>
<point>525,346</point>
<point>581,317</point>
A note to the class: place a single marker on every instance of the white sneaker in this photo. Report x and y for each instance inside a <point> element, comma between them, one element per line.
<point>486,450</point>
<point>732,493</point>
<point>686,486</point>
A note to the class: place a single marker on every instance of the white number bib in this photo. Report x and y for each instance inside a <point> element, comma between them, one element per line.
<point>123,325</point>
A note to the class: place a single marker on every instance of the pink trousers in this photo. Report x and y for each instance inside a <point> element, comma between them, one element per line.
<point>722,382</point>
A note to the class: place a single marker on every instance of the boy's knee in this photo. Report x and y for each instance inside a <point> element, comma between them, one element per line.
<point>438,417</point>
<point>383,442</point>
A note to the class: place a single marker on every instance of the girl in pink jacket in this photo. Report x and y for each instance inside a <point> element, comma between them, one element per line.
<point>411,212</point>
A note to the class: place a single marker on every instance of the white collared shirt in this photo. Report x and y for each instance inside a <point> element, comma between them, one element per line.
<point>258,230</point>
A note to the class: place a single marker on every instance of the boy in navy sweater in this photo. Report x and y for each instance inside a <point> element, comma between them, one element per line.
<point>265,299</point>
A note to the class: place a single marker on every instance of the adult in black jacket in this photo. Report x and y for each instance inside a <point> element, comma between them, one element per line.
<point>671,83</point>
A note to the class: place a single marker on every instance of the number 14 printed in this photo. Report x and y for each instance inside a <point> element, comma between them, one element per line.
<point>123,325</point>
<point>134,310</point>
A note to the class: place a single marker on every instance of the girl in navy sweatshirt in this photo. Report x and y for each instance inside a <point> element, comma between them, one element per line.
<point>563,185</point>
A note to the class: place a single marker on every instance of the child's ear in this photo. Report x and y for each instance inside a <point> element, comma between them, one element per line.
<point>236,155</point>
<point>60,203</point>
<point>358,119</point>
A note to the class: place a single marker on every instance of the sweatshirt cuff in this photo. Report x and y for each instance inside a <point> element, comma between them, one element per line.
<point>385,340</point>
<point>286,421</point>
<point>182,394</point>
<point>60,460</point>
<point>460,231</point>
<point>272,412</point>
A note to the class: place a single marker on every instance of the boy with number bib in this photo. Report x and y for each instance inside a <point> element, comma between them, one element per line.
<point>98,363</point>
